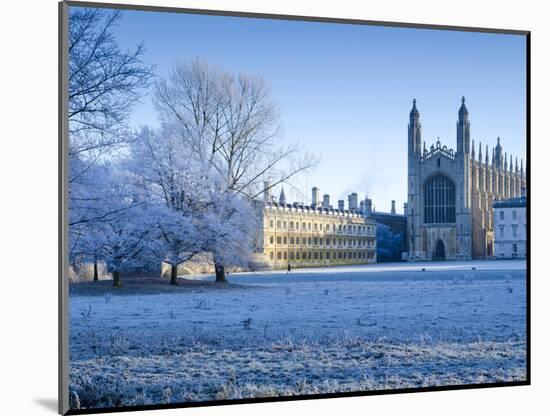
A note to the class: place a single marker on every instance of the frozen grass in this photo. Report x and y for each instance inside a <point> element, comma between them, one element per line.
<point>206,373</point>
<point>298,334</point>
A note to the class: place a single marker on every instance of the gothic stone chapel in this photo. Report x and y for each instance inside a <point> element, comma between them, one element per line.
<point>451,193</point>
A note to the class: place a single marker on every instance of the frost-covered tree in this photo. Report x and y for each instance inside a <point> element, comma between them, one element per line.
<point>200,214</point>
<point>179,240</point>
<point>91,203</point>
<point>230,225</point>
<point>124,245</point>
<point>105,82</point>
<point>230,123</point>
<point>128,241</point>
<point>179,186</point>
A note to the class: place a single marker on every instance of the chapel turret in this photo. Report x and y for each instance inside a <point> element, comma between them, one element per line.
<point>415,131</point>
<point>498,155</point>
<point>463,130</point>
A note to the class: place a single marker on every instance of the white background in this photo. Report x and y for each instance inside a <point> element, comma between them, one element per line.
<point>28,207</point>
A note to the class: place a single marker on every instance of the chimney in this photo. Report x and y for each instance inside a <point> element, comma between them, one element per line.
<point>393,206</point>
<point>352,202</point>
<point>315,200</point>
<point>368,206</point>
<point>326,201</point>
<point>341,204</point>
<point>267,192</point>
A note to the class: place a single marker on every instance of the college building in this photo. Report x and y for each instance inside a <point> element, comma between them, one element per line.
<point>316,234</point>
<point>510,225</point>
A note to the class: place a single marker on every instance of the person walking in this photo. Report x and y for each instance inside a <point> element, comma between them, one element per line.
<point>288,268</point>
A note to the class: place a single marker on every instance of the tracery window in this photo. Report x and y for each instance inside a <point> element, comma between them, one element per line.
<point>439,200</point>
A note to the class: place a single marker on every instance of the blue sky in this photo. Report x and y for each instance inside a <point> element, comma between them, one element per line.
<point>345,91</point>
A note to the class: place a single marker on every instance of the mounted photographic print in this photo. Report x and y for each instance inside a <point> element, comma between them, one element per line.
<point>265,207</point>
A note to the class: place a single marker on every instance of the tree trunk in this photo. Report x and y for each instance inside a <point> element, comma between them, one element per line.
<point>174,274</point>
<point>96,274</point>
<point>116,279</point>
<point>220,273</point>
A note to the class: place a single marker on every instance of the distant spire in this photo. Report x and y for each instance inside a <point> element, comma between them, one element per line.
<point>505,161</point>
<point>479,152</point>
<point>516,165</point>
<point>414,111</point>
<point>521,166</point>
<point>473,150</point>
<point>463,111</point>
<point>282,198</point>
<point>487,154</point>
<point>511,164</point>
<point>498,154</point>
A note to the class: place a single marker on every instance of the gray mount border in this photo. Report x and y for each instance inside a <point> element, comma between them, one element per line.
<point>63,210</point>
<point>63,229</point>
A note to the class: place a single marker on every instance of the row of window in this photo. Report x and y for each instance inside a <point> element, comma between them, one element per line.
<point>501,246</point>
<point>514,215</point>
<point>318,255</point>
<point>341,228</point>
<point>352,242</point>
<point>503,228</point>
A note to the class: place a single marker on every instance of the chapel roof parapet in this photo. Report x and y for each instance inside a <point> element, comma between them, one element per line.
<point>438,150</point>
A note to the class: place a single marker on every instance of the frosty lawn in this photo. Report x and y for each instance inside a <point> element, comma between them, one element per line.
<point>308,332</point>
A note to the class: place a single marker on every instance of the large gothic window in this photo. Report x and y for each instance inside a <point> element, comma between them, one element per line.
<point>439,200</point>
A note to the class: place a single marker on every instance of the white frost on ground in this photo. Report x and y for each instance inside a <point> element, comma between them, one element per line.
<point>494,265</point>
<point>301,333</point>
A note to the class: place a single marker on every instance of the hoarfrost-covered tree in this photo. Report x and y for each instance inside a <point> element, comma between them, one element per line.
<point>105,82</point>
<point>128,242</point>
<point>92,202</point>
<point>179,185</point>
<point>201,215</point>
<point>124,245</point>
<point>231,123</point>
<point>230,225</point>
<point>179,240</point>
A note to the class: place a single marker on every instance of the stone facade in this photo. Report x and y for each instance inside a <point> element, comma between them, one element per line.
<point>451,193</point>
<point>510,225</point>
<point>314,235</point>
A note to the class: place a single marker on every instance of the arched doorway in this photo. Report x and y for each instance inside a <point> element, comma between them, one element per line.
<point>439,252</point>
